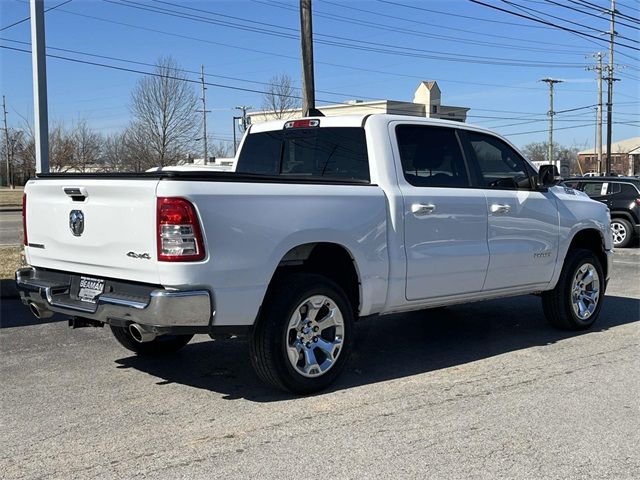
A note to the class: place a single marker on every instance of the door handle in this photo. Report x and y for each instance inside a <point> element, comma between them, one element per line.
<point>422,209</point>
<point>500,208</point>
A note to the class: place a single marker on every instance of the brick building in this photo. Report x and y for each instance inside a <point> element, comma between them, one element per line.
<point>625,157</point>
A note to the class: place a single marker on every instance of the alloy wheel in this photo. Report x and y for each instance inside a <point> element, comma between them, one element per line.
<point>314,336</point>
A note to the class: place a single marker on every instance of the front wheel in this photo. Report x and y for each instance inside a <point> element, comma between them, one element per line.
<point>303,337</point>
<point>576,301</point>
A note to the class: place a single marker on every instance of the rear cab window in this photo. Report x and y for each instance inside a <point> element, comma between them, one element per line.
<point>331,153</point>
<point>431,156</point>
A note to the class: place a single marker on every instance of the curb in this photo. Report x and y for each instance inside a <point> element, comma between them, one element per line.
<point>8,288</point>
<point>626,252</point>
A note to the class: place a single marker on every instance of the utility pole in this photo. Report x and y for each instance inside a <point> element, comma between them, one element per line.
<point>244,109</point>
<point>551,82</point>
<point>7,147</point>
<point>204,115</point>
<point>306,43</point>
<point>39,61</point>
<point>235,142</point>
<point>610,80</point>
<point>599,75</point>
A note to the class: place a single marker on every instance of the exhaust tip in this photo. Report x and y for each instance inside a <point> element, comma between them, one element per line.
<point>39,313</point>
<point>141,334</point>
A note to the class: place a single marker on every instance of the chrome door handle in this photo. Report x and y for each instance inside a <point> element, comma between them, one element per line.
<point>499,208</point>
<point>421,209</point>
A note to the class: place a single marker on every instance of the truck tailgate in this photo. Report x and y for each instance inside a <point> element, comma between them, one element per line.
<point>118,237</point>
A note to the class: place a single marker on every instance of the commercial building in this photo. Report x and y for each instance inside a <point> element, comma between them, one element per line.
<point>426,103</point>
<point>625,157</point>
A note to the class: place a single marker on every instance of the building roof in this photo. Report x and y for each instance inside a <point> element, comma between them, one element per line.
<point>630,145</point>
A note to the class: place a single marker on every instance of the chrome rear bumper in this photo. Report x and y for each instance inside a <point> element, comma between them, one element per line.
<point>146,305</point>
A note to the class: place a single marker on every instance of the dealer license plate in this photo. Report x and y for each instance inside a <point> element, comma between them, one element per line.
<point>90,288</point>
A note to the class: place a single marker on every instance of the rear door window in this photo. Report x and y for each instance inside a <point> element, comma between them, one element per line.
<point>431,156</point>
<point>330,152</point>
<point>596,189</point>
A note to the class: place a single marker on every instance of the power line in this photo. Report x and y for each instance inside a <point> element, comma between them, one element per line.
<point>406,31</point>
<point>605,10</point>
<point>522,7</point>
<point>253,50</point>
<point>355,44</point>
<point>26,19</point>
<point>567,29</point>
<point>135,62</point>
<point>419,22</point>
<point>146,64</point>
<point>458,15</point>
<point>569,7</point>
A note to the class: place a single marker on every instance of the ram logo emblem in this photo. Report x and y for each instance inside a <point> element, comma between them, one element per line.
<point>76,222</point>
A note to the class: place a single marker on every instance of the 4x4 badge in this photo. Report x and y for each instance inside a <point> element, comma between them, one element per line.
<point>76,222</point>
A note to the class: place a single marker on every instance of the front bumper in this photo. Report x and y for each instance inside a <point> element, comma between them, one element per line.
<point>124,303</point>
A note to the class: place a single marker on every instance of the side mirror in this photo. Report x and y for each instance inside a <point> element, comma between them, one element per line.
<point>548,176</point>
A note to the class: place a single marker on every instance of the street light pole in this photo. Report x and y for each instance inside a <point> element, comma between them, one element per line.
<point>39,86</point>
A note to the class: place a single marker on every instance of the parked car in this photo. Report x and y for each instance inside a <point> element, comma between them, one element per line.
<point>325,220</point>
<point>622,196</point>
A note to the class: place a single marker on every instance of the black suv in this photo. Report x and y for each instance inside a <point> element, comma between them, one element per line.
<point>622,196</point>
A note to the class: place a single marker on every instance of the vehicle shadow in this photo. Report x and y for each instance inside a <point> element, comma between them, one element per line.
<point>388,347</point>
<point>14,314</point>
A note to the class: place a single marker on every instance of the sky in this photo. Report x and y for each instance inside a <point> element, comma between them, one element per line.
<point>482,58</point>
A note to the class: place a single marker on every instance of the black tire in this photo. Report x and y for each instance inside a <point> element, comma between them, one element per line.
<point>558,303</point>
<point>268,345</point>
<point>162,345</point>
<point>625,228</point>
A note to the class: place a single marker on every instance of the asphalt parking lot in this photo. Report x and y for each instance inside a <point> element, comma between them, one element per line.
<point>474,391</point>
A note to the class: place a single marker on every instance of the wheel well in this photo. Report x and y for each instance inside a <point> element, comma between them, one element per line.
<point>625,215</point>
<point>328,259</point>
<point>591,239</point>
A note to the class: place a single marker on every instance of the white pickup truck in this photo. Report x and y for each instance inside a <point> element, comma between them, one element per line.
<point>325,220</point>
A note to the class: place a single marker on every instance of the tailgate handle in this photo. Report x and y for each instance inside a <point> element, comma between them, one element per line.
<point>77,194</point>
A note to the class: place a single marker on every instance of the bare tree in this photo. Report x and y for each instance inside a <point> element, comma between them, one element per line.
<point>87,145</point>
<point>164,107</point>
<point>281,97</point>
<point>221,149</point>
<point>61,149</point>
<point>10,146</point>
<point>537,152</point>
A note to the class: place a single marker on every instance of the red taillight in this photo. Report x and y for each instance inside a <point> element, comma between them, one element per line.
<point>25,240</point>
<point>637,200</point>
<point>178,230</point>
<point>306,123</point>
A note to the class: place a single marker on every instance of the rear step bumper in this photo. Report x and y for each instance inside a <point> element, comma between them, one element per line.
<point>47,291</point>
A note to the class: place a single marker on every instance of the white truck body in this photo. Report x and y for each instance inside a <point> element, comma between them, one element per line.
<point>412,247</point>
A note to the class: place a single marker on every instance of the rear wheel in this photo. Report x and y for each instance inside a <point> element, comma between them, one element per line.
<point>303,337</point>
<point>576,301</point>
<point>161,345</point>
<point>622,231</point>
